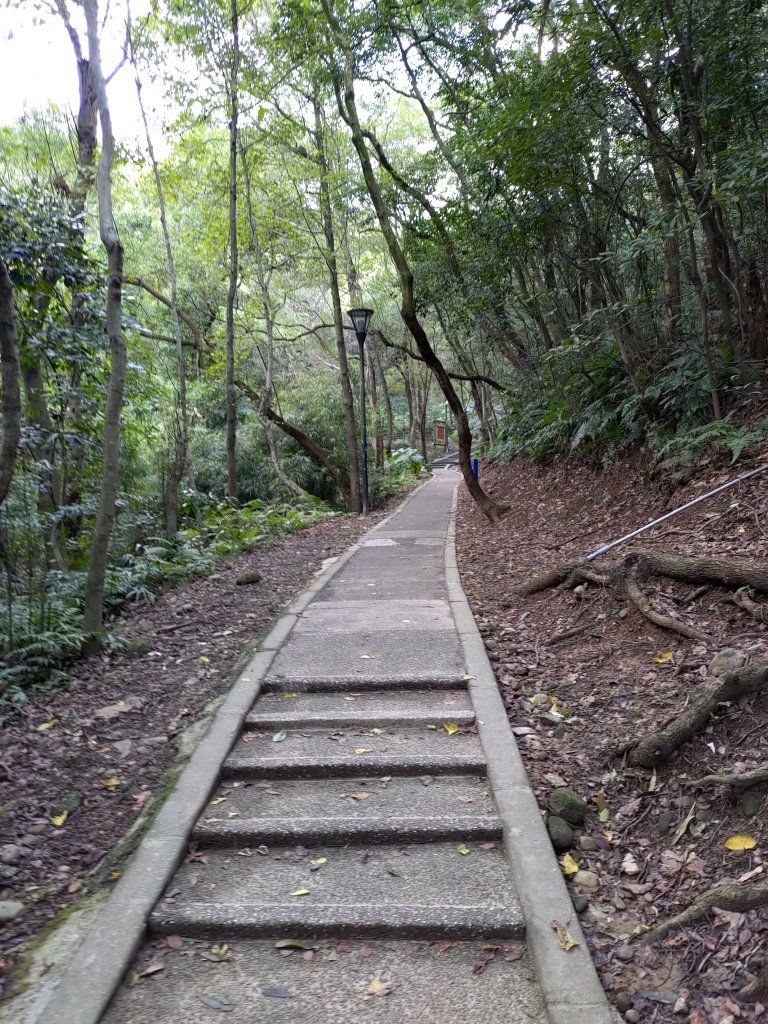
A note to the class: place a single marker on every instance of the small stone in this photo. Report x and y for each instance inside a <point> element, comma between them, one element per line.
<point>552,717</point>
<point>623,1002</point>
<point>123,747</point>
<point>6,871</point>
<point>560,832</point>
<point>683,802</point>
<point>28,840</point>
<point>568,804</point>
<point>10,853</point>
<point>625,953</point>
<point>751,802</point>
<point>680,1006</point>
<point>703,814</point>
<point>632,1016</point>
<point>666,821</point>
<point>588,844</point>
<point>246,578</point>
<point>619,903</point>
<point>188,607</point>
<point>491,644</point>
<point>426,780</point>
<point>38,829</point>
<point>9,909</point>
<point>559,732</point>
<point>727,660</point>
<point>586,880</point>
<point>623,613</point>
<point>580,903</point>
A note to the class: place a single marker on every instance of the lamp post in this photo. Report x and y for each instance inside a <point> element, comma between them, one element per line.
<point>361,319</point>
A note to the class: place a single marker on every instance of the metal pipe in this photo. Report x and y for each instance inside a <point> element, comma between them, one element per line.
<point>361,342</point>
<point>668,515</point>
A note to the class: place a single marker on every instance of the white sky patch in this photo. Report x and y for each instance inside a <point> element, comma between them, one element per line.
<point>38,68</point>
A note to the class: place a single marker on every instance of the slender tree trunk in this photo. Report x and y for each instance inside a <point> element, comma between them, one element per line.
<point>348,109</point>
<point>387,401</point>
<point>9,365</point>
<point>93,615</point>
<point>180,419</point>
<point>326,209</point>
<point>233,261</point>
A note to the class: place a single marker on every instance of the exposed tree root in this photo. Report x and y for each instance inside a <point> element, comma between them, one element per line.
<point>702,704</point>
<point>583,574</point>
<point>637,598</point>
<point>729,572</point>
<point>549,579</point>
<point>758,611</point>
<point>757,990</point>
<point>746,780</point>
<point>731,896</point>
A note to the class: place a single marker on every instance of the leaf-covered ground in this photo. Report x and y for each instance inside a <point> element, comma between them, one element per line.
<point>78,768</point>
<point>574,697</point>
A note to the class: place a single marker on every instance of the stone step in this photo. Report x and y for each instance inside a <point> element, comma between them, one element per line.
<point>239,832</point>
<point>299,683</point>
<point>426,983</point>
<point>429,890</point>
<point>375,707</point>
<point>364,797</point>
<point>312,753</point>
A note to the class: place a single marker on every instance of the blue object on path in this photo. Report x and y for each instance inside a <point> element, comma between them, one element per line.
<point>475,469</point>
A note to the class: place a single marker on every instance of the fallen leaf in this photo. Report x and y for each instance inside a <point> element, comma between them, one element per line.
<point>487,846</point>
<point>604,815</point>
<point>217,1004</point>
<point>111,783</point>
<point>366,657</point>
<point>450,727</point>
<point>682,828</point>
<point>202,660</point>
<point>279,736</point>
<point>174,941</point>
<point>600,801</point>
<point>566,940</point>
<point>569,865</point>
<point>114,875</point>
<point>289,696</point>
<point>377,732</point>
<point>47,725</point>
<point>663,657</point>
<point>276,992</point>
<point>463,849</point>
<point>293,944</point>
<point>300,892</point>
<point>363,750</point>
<point>319,860</point>
<point>432,727</point>
<point>218,800</point>
<point>59,819</point>
<point>75,885</point>
<point>378,988</point>
<point>359,796</point>
<point>154,968</point>
<point>467,799</point>
<point>739,843</point>
<point>113,710</point>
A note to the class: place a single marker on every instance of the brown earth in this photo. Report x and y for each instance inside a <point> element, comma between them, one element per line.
<point>79,766</point>
<point>574,697</point>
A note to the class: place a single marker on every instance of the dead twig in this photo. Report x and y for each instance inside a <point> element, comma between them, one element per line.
<point>731,896</point>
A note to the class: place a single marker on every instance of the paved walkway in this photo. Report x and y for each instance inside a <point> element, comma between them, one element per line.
<point>351,864</point>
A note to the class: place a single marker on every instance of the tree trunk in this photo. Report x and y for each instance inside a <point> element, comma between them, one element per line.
<point>348,110</point>
<point>180,420</point>
<point>307,443</point>
<point>9,366</point>
<point>233,264</point>
<point>93,614</point>
<point>326,209</point>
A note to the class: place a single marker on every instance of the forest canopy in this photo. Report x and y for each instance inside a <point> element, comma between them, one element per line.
<point>557,211</point>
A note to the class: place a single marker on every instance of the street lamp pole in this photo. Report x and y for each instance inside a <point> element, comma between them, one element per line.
<point>361,319</point>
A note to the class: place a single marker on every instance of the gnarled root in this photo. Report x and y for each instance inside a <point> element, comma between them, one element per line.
<point>758,611</point>
<point>731,896</point>
<point>756,991</point>
<point>703,702</point>
<point>746,780</point>
<point>637,598</point>
<point>729,572</point>
<point>552,578</point>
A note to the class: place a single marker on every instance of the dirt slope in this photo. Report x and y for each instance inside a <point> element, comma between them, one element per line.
<point>575,696</point>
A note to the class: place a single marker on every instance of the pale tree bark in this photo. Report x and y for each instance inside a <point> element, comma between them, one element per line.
<point>180,460</point>
<point>348,109</point>
<point>9,368</point>
<point>269,327</point>
<point>233,262</point>
<point>93,614</point>
<point>326,208</point>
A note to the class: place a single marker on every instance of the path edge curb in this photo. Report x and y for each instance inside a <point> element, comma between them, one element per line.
<point>100,962</point>
<point>568,981</point>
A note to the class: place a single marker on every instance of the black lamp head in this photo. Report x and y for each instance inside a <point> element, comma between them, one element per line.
<point>361,319</point>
